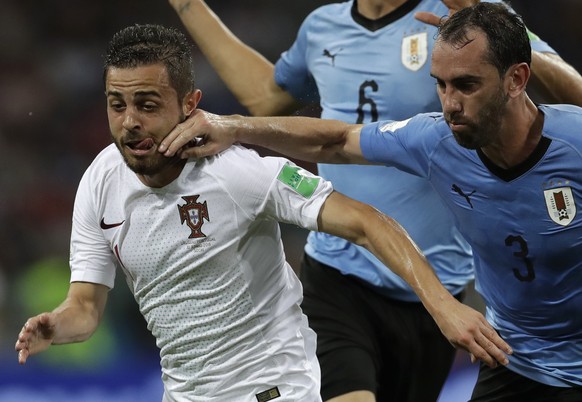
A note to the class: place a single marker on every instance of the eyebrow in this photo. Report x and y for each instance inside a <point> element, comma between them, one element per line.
<point>137,94</point>
<point>461,78</point>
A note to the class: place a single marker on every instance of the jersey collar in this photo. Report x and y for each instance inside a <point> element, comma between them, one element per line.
<point>374,25</point>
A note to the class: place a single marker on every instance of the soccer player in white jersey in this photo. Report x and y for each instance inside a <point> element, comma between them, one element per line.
<point>508,170</point>
<point>364,61</point>
<point>200,246</point>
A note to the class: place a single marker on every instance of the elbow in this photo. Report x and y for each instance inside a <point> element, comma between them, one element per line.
<point>258,109</point>
<point>269,100</point>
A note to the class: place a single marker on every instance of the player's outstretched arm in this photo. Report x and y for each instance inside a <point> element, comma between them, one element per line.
<point>248,75</point>
<point>362,224</point>
<point>303,138</point>
<point>552,79</point>
<point>74,320</point>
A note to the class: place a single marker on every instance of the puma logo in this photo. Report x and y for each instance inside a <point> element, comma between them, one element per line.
<point>327,53</point>
<point>458,190</point>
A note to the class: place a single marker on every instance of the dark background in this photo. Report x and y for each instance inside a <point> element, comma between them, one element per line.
<point>53,123</point>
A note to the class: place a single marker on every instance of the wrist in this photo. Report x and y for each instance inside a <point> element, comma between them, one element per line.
<point>239,128</point>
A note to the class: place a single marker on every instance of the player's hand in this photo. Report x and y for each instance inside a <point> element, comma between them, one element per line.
<point>453,5</point>
<point>36,335</point>
<point>201,134</point>
<point>468,329</point>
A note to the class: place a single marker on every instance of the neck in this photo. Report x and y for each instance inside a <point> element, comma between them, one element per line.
<point>168,174</point>
<point>374,9</point>
<point>519,135</point>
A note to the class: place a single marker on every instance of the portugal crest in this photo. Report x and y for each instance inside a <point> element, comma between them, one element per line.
<point>414,52</point>
<point>561,205</point>
<point>193,213</point>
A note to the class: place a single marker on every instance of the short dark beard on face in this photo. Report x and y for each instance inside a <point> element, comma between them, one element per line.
<point>146,166</point>
<point>150,165</point>
<point>486,129</point>
<point>490,118</point>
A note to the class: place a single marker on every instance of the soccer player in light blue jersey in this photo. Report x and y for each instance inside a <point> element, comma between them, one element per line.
<point>508,170</point>
<point>365,61</point>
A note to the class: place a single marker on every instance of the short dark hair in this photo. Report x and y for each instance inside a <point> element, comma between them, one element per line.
<point>141,45</point>
<point>506,33</point>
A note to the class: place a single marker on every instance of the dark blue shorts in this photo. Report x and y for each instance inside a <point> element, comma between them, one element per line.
<point>366,341</point>
<point>503,385</point>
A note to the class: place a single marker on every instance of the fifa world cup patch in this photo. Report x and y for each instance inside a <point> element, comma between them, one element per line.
<point>298,179</point>
<point>268,395</point>
<point>560,204</point>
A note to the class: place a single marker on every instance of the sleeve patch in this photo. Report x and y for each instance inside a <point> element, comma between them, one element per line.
<point>394,125</point>
<point>298,179</point>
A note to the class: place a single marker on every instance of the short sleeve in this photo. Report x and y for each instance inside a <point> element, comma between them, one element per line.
<point>273,188</point>
<point>292,72</point>
<point>91,258</point>
<point>406,145</point>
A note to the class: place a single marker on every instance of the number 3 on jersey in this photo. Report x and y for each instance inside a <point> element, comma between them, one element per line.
<point>530,274</point>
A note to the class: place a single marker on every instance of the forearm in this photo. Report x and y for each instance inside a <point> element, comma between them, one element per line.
<point>384,237</point>
<point>75,321</point>
<point>304,138</point>
<point>246,73</point>
<point>555,80</point>
<point>390,241</point>
<point>78,317</point>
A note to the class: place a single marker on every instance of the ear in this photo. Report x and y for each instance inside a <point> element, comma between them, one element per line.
<point>517,77</point>
<point>190,101</point>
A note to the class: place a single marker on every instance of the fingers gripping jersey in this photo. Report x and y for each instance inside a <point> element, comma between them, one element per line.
<point>204,259</point>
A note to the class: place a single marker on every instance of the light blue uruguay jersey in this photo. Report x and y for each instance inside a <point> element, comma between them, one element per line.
<point>522,224</point>
<point>367,71</point>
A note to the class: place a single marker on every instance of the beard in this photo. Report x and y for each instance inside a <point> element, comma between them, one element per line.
<point>146,165</point>
<point>150,165</point>
<point>484,130</point>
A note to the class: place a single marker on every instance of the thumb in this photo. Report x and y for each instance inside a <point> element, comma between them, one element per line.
<point>46,325</point>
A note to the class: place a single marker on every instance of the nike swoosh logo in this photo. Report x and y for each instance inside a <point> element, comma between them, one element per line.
<point>106,226</point>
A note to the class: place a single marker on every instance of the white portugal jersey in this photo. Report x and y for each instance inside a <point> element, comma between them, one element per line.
<point>204,259</point>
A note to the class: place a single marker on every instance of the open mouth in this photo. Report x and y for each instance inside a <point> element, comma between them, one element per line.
<point>140,147</point>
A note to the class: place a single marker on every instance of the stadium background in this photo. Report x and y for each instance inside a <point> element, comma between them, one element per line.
<point>52,124</point>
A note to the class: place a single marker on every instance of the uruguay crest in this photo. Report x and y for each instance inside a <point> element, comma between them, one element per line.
<point>414,51</point>
<point>560,204</point>
<point>193,213</point>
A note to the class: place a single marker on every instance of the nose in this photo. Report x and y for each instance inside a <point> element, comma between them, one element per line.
<point>131,120</point>
<point>450,103</point>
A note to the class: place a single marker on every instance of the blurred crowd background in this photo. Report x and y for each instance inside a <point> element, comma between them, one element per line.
<point>53,123</point>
